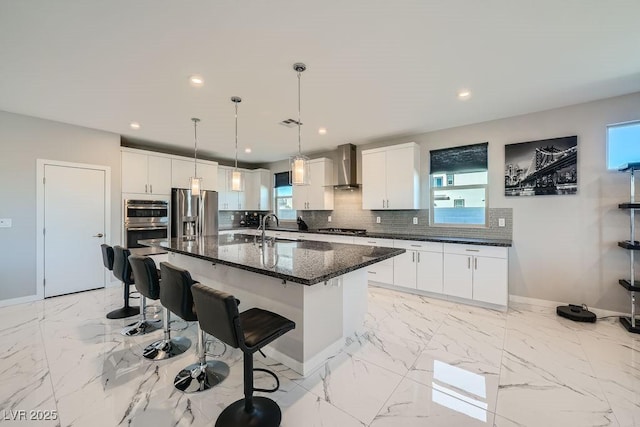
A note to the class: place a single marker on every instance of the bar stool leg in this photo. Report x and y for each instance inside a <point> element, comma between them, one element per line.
<point>127,310</point>
<point>142,326</point>
<point>167,347</point>
<point>251,411</point>
<point>202,375</point>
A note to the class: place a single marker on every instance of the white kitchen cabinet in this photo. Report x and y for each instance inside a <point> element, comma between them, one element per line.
<point>318,195</point>
<point>420,267</point>
<point>182,170</point>
<point>145,174</point>
<point>391,177</point>
<point>257,189</point>
<point>229,200</point>
<point>476,272</point>
<point>380,272</point>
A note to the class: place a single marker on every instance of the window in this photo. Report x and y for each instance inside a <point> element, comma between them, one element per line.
<point>463,200</point>
<point>283,195</point>
<point>623,144</point>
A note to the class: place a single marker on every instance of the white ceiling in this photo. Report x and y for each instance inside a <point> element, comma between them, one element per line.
<point>376,68</point>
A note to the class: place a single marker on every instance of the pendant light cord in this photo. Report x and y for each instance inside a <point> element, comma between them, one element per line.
<point>236,135</point>
<point>299,123</point>
<point>195,151</point>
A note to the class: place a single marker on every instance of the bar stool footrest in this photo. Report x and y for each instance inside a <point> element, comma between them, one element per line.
<point>275,377</point>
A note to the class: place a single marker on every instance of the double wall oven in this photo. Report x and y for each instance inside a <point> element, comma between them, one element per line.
<point>145,219</point>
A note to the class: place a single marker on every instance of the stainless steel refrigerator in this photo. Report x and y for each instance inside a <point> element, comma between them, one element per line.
<point>192,216</point>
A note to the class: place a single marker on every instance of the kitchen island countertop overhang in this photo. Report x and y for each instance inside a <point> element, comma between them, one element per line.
<point>306,262</point>
<point>320,286</point>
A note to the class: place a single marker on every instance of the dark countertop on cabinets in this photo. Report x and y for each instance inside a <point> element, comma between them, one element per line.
<point>305,261</point>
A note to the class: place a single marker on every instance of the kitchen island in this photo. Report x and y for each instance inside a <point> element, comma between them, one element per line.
<point>321,286</point>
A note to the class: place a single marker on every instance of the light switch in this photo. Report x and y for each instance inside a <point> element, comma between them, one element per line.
<point>415,220</point>
<point>377,220</point>
<point>5,222</point>
<point>501,222</point>
<point>329,218</point>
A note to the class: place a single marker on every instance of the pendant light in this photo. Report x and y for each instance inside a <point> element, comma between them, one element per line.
<point>195,182</point>
<point>299,174</point>
<point>237,183</point>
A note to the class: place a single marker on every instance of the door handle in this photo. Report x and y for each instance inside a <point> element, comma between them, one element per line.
<point>99,235</point>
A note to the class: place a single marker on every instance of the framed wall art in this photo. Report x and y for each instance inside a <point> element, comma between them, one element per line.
<point>544,167</point>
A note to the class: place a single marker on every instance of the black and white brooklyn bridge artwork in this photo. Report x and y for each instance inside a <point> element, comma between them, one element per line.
<point>548,166</point>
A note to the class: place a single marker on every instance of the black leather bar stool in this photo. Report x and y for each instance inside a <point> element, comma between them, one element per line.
<point>122,272</point>
<point>250,331</point>
<point>107,256</point>
<point>147,282</point>
<point>203,374</point>
<point>175,296</point>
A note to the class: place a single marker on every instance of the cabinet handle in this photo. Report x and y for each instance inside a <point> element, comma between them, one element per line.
<point>369,241</point>
<point>151,188</point>
<point>416,246</point>
<point>371,272</point>
<point>468,262</point>
<point>472,250</point>
<point>413,257</point>
<point>382,203</point>
<point>387,203</point>
<point>145,188</point>
<point>418,256</point>
<point>475,262</point>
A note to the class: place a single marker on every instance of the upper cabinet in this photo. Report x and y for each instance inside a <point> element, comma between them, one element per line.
<point>257,189</point>
<point>182,170</point>
<point>318,195</point>
<point>145,174</point>
<point>391,177</point>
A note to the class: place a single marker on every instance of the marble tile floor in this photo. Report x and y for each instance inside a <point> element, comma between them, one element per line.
<point>420,362</point>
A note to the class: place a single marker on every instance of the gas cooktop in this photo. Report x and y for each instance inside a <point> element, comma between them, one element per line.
<point>350,231</point>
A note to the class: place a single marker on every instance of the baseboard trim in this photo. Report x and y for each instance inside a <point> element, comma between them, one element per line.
<point>552,304</point>
<point>19,300</point>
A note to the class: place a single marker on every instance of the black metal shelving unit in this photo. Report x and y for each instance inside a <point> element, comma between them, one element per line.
<point>632,245</point>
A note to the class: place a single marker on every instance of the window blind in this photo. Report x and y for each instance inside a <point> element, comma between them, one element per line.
<point>467,158</point>
<point>281,179</point>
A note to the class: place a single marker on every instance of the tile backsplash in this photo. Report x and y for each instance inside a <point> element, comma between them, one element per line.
<point>348,213</point>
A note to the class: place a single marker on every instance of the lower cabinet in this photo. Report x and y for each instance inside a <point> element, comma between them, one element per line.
<point>420,267</point>
<point>476,272</point>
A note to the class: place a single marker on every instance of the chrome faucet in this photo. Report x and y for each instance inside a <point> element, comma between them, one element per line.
<point>264,223</point>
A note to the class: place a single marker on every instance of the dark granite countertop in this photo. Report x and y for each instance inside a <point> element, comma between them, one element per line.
<point>305,261</point>
<point>416,237</point>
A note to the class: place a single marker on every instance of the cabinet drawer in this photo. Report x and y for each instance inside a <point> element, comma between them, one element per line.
<point>381,272</point>
<point>476,250</point>
<point>418,246</point>
<point>372,241</point>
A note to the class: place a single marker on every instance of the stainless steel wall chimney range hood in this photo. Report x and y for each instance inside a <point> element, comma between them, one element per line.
<point>347,171</point>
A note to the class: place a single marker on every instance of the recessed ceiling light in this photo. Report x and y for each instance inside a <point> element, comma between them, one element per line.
<point>134,125</point>
<point>196,80</point>
<point>322,131</point>
<point>464,94</point>
<point>247,150</point>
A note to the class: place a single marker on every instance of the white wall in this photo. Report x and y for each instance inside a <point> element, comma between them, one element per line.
<point>564,247</point>
<point>24,139</point>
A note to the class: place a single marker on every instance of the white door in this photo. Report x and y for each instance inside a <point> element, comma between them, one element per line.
<point>159,175</point>
<point>404,270</point>
<point>400,179</point>
<point>374,181</point>
<point>74,224</point>
<point>490,280</point>
<point>134,173</point>
<point>458,275</point>
<point>429,271</point>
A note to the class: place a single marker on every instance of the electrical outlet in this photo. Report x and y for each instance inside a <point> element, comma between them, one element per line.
<point>377,220</point>
<point>329,218</point>
<point>231,217</point>
<point>5,222</point>
<point>501,222</point>
<point>415,220</point>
